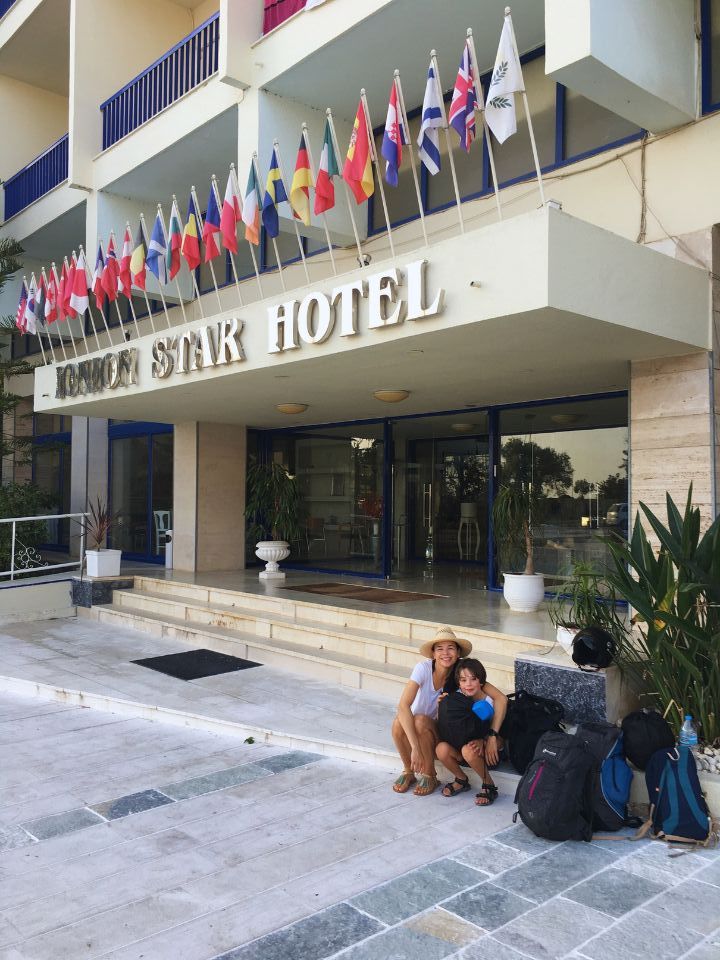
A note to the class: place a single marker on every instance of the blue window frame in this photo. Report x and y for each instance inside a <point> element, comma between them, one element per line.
<point>710,51</point>
<point>51,471</point>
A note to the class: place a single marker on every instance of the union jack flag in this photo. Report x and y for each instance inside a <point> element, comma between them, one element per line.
<point>464,101</point>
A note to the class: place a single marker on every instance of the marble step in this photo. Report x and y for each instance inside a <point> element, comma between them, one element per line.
<point>334,666</point>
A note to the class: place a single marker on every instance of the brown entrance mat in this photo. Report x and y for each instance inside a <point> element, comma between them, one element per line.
<point>351,591</point>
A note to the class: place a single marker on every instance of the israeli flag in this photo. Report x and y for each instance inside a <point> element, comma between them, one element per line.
<point>433,118</point>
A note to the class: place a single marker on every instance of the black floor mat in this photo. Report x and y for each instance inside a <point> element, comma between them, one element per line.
<point>194,664</point>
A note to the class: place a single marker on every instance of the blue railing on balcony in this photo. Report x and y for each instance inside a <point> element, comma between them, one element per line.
<point>37,178</point>
<point>5,6</point>
<point>187,65</point>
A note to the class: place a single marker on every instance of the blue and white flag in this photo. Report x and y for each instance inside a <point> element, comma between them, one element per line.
<point>30,314</point>
<point>433,118</point>
<point>157,251</point>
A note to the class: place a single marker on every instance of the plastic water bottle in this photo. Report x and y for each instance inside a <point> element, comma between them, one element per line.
<point>688,734</point>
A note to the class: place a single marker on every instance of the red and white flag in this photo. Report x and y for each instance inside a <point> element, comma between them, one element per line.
<point>231,214</point>
<point>97,287</point>
<point>68,289</point>
<point>124,275</point>
<point>79,299</point>
<point>22,303</point>
<point>51,311</point>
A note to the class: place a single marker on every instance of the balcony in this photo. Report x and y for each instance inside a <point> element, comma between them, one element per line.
<point>41,175</point>
<point>5,6</point>
<point>189,63</point>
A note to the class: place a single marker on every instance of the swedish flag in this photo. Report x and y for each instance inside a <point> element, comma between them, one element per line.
<point>274,194</point>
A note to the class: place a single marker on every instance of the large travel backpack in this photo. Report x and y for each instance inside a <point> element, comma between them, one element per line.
<point>645,732</point>
<point>678,812</point>
<point>612,776</point>
<point>554,796</point>
<point>528,718</point>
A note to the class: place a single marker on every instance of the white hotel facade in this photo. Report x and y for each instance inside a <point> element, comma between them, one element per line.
<point>575,343</point>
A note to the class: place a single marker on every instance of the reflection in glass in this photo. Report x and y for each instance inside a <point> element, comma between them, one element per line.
<point>128,493</point>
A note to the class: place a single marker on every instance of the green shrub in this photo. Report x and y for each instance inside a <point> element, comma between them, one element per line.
<point>22,500</point>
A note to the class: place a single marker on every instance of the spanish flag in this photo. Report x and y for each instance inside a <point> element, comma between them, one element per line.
<point>357,170</point>
<point>274,194</point>
<point>137,260</point>
<point>301,182</point>
<point>190,246</point>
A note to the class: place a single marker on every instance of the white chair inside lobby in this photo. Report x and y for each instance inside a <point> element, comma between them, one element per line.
<point>163,524</point>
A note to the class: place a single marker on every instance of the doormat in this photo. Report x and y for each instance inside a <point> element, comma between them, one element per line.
<point>195,664</point>
<point>351,591</point>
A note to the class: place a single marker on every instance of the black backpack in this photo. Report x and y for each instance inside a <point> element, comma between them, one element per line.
<point>612,777</point>
<point>457,724</point>
<point>644,733</point>
<point>554,796</point>
<point>527,719</point>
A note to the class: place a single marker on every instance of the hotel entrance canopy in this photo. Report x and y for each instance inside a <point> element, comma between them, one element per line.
<point>540,305</point>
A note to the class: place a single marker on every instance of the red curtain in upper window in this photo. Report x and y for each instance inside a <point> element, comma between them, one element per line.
<point>277,11</point>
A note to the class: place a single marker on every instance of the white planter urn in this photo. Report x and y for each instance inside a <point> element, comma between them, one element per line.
<point>524,592</point>
<point>271,552</point>
<point>103,563</point>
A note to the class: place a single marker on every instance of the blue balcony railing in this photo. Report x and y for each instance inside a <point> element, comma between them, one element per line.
<point>5,6</point>
<point>187,65</point>
<point>37,178</point>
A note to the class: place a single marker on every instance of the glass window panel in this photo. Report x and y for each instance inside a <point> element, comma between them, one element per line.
<point>714,92</point>
<point>162,490</point>
<point>468,166</point>
<point>128,493</point>
<point>588,126</point>
<point>401,200</point>
<point>51,472</point>
<point>514,157</point>
<point>287,246</point>
<point>47,423</point>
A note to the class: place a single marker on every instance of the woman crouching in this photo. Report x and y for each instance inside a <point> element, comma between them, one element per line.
<point>414,729</point>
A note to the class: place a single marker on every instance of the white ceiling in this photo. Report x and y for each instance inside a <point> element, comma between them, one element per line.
<point>39,52</point>
<point>57,238</point>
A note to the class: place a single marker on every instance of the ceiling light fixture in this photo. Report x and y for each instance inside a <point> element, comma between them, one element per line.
<point>291,407</point>
<point>391,396</point>
<point>566,418</point>
<point>462,427</point>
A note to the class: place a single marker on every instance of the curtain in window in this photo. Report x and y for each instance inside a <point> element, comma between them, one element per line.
<point>277,11</point>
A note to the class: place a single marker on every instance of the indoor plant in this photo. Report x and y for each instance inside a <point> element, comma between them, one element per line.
<point>272,509</point>
<point>674,650</point>
<point>96,525</point>
<point>513,513</point>
<point>585,599</point>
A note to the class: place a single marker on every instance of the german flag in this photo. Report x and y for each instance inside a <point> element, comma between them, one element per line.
<point>301,182</point>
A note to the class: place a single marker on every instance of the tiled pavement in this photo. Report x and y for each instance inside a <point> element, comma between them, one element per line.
<point>126,839</point>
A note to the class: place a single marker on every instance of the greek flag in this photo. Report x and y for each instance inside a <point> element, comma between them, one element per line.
<point>433,118</point>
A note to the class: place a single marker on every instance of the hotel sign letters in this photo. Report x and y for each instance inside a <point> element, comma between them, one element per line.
<point>97,374</point>
<point>198,349</point>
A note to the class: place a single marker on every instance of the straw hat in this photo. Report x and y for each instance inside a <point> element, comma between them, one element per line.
<point>445,635</point>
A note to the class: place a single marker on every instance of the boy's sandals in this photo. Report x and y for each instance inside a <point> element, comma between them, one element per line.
<point>426,785</point>
<point>458,785</point>
<point>487,795</point>
<point>404,781</point>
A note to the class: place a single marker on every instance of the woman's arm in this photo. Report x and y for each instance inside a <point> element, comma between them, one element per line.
<point>500,702</point>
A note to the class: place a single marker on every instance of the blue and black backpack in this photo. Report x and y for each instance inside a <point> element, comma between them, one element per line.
<point>612,778</point>
<point>678,812</point>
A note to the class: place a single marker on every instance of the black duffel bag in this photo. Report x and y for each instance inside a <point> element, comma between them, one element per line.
<point>528,718</point>
<point>644,733</point>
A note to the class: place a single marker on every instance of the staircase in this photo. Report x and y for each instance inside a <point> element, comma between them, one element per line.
<point>364,650</point>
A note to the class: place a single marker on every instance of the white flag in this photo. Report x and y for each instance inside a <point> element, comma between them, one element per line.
<point>506,80</point>
<point>433,118</point>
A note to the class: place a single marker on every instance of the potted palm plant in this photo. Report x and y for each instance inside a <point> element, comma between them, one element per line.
<point>272,509</point>
<point>585,599</point>
<point>513,513</point>
<point>96,525</point>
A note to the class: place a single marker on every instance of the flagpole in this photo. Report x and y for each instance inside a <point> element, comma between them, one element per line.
<point>200,228</point>
<point>213,182</point>
<point>88,280</point>
<point>324,215</point>
<point>40,321</point>
<point>527,110</point>
<point>438,85</point>
<point>374,159</point>
<point>82,319</point>
<point>92,319</point>
<point>128,298</point>
<point>60,341</point>
<point>143,237</point>
<point>42,348</point>
<point>167,245</point>
<point>401,101</point>
<point>115,300</point>
<point>249,243</point>
<point>336,147</point>
<point>276,144</point>
<point>61,316</point>
<point>192,276</point>
<point>274,241</point>
<point>162,295</point>
<point>486,129</point>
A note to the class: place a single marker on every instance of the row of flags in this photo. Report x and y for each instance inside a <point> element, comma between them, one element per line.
<point>56,296</point>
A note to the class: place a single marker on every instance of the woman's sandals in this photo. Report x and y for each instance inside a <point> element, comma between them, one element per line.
<point>404,781</point>
<point>487,795</point>
<point>458,785</point>
<point>426,785</point>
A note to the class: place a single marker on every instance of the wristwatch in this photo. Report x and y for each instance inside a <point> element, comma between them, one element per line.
<point>492,733</point>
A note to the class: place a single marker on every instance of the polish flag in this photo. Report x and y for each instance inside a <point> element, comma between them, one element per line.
<point>231,213</point>
<point>124,275</point>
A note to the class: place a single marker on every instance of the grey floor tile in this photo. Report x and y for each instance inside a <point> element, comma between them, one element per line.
<point>641,935</point>
<point>286,761</point>
<point>615,892</point>
<point>488,948</point>
<point>132,803</point>
<point>691,904</point>
<point>416,891</point>
<point>521,838</point>
<point>220,780</point>
<point>59,823</point>
<point>709,950</point>
<point>488,906</point>
<point>711,873</point>
<point>13,837</point>
<point>316,937</point>
<point>552,872</point>
<point>658,861</point>
<point>490,856</point>
<point>553,929</point>
<point>400,943</point>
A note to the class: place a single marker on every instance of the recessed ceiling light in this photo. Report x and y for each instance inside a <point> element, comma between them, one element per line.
<point>291,407</point>
<point>391,396</point>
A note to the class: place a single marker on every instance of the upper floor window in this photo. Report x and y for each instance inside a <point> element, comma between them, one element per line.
<point>710,13</point>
